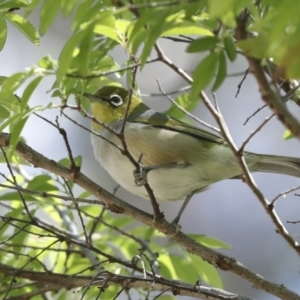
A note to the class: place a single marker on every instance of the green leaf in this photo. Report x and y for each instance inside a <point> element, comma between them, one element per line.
<point>218,8</point>
<point>17,211</point>
<point>204,73</point>
<point>24,27</point>
<point>107,31</point>
<point>42,183</point>
<point>47,63</point>
<point>138,39</point>
<point>85,195</point>
<point>209,241</point>
<point>16,128</point>
<point>137,32</point>
<point>49,12</point>
<point>187,28</point>
<point>87,12</point>
<point>19,236</point>
<point>167,267</point>
<point>104,63</point>
<point>122,26</point>
<point>67,163</point>
<point>29,90</point>
<point>149,233</point>
<point>230,48</point>
<point>12,196</point>
<point>106,18</point>
<point>181,263</point>
<point>78,160</point>
<point>256,47</point>
<point>16,159</point>
<point>121,222</point>
<point>203,44</point>
<point>186,102</point>
<point>14,117</point>
<point>154,33</point>
<point>2,79</point>
<point>67,6</point>
<point>11,102</point>
<point>4,112</point>
<point>32,6</point>
<point>287,135</point>
<point>85,48</point>
<point>206,271</point>
<point>106,25</point>
<point>11,84</point>
<point>223,10</point>
<point>13,4</point>
<point>68,53</point>
<point>3,31</point>
<point>222,71</point>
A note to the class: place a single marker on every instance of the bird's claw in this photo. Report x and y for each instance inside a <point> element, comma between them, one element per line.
<point>140,176</point>
<point>177,226</point>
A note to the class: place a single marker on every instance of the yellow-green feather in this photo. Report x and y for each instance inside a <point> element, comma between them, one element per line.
<point>105,113</point>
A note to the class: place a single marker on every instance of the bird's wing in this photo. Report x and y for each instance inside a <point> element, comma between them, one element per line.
<point>161,120</point>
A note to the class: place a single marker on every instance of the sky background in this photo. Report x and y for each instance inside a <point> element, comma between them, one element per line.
<point>228,210</point>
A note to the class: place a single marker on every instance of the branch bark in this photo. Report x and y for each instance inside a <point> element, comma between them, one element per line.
<point>55,281</point>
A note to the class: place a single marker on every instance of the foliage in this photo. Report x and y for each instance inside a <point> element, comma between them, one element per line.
<point>84,64</point>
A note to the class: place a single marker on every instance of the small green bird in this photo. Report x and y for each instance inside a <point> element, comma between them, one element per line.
<point>183,159</point>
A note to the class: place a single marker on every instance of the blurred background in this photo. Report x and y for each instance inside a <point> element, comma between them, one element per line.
<point>228,210</point>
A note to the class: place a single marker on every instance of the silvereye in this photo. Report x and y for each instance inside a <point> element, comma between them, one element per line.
<point>183,159</point>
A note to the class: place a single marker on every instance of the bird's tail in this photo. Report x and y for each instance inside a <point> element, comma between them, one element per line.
<point>275,164</point>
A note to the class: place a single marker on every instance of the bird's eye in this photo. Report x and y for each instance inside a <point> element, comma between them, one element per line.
<point>116,100</point>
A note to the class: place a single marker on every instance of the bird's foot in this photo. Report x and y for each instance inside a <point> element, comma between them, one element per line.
<point>140,176</point>
<point>177,226</point>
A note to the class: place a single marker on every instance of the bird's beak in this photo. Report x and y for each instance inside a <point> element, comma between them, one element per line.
<point>91,97</point>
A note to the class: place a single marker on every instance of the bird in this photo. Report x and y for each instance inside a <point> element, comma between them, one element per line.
<point>180,159</point>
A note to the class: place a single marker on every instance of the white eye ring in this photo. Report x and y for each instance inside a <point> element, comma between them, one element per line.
<point>116,100</point>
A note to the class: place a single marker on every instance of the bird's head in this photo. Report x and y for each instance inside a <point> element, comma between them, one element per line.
<point>109,105</point>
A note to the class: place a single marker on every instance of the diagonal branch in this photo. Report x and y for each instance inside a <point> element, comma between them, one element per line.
<point>55,281</point>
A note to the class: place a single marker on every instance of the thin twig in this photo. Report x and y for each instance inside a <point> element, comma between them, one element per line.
<point>241,83</point>
<point>102,74</point>
<point>157,215</point>
<point>16,183</point>
<point>283,194</point>
<point>181,90</point>
<point>185,111</point>
<point>252,115</point>
<point>74,169</point>
<point>242,148</point>
<point>50,195</point>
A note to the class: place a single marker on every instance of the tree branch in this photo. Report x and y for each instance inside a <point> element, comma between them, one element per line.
<point>56,281</point>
